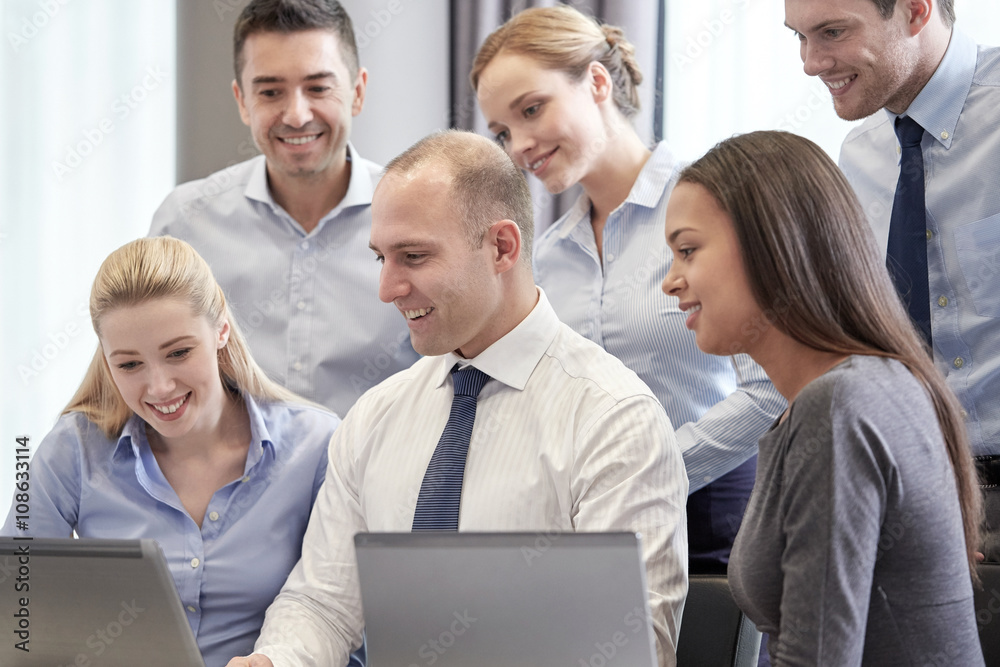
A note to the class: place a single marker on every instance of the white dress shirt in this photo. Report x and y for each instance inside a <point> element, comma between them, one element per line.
<point>566,439</point>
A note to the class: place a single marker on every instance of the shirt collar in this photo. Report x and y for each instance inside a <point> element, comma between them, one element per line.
<point>938,106</point>
<point>359,190</point>
<point>133,438</point>
<point>647,190</point>
<point>512,359</point>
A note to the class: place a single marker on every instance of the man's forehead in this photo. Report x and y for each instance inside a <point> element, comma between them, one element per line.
<point>312,51</point>
<point>424,178</point>
<point>807,15</point>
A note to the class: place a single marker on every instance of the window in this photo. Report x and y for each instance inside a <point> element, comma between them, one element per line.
<point>88,154</point>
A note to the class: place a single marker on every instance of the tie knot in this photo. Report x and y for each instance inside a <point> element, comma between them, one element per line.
<point>908,131</point>
<point>469,381</point>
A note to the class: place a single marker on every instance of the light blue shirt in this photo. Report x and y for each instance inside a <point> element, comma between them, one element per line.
<point>719,406</point>
<point>228,571</point>
<point>960,110</point>
<point>307,303</point>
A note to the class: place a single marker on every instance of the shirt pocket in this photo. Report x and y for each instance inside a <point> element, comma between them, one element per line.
<point>978,248</point>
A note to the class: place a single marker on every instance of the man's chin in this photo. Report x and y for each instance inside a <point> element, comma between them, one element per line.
<point>852,112</point>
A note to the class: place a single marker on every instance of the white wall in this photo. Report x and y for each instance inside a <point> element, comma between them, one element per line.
<point>404,46</point>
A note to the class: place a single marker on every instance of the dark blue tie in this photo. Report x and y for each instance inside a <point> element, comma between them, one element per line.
<point>906,256</point>
<point>441,490</point>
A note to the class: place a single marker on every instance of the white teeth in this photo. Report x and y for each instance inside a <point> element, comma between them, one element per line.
<point>297,141</point>
<point>693,309</point>
<point>837,85</point>
<point>535,165</point>
<point>414,314</point>
<point>171,409</point>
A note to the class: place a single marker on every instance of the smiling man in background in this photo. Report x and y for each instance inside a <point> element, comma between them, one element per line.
<point>286,233</point>
<point>926,166</point>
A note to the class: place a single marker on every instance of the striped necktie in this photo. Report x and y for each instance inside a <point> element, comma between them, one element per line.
<point>441,491</point>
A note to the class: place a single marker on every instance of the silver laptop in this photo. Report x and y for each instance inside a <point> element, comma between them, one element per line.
<point>504,599</point>
<point>101,603</point>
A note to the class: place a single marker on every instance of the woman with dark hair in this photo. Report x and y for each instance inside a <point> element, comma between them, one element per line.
<point>858,545</point>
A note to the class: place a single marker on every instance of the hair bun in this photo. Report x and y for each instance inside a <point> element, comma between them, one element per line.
<point>615,37</point>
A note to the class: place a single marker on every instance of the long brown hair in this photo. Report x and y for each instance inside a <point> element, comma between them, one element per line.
<point>162,268</point>
<point>562,38</point>
<point>811,260</point>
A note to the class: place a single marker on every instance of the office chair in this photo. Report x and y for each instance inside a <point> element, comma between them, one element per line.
<point>714,632</point>
<point>988,612</point>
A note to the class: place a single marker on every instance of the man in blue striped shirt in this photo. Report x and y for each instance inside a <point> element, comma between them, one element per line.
<point>286,233</point>
<point>883,59</point>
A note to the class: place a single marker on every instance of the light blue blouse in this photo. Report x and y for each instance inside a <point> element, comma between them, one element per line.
<point>228,571</point>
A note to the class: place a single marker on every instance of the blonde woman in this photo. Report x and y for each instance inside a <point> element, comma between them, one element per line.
<point>177,435</point>
<point>558,91</point>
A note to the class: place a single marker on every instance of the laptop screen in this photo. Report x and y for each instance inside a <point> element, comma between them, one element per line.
<point>90,603</point>
<point>492,599</point>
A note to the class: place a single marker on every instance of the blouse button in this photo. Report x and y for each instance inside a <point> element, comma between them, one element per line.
<point>195,562</point>
<point>214,516</point>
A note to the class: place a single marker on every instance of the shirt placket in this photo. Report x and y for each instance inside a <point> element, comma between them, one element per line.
<point>301,295</point>
<point>583,236</point>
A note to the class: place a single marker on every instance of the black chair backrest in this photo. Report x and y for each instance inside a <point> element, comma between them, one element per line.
<point>988,612</point>
<point>714,632</point>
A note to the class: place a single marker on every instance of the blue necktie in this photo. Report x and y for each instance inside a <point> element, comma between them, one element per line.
<point>906,256</point>
<point>441,490</point>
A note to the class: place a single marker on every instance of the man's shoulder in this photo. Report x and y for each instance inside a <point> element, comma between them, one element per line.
<point>987,67</point>
<point>383,396</point>
<point>593,369</point>
<point>865,135</point>
<point>373,169</point>
<point>205,192</point>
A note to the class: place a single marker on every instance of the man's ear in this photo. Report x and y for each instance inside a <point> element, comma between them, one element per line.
<point>360,87</point>
<point>240,102</point>
<point>918,14</point>
<point>504,238</point>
